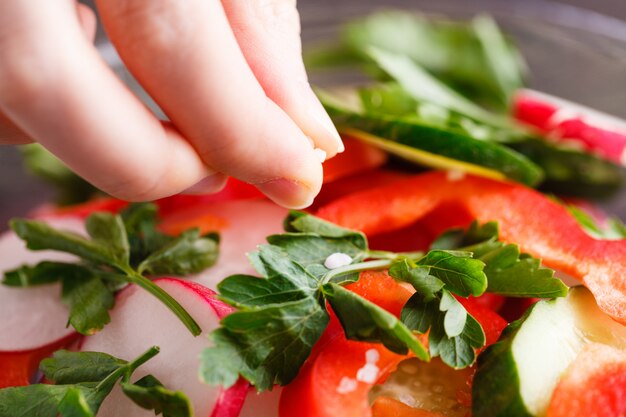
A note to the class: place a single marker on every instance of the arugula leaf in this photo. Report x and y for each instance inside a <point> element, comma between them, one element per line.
<point>266,345</point>
<point>365,321</point>
<point>460,273</point>
<point>150,394</point>
<point>83,381</point>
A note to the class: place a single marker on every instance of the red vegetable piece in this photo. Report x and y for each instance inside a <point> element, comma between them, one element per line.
<point>594,385</point>
<point>358,157</point>
<point>388,407</point>
<point>565,121</point>
<point>542,227</point>
<point>18,368</point>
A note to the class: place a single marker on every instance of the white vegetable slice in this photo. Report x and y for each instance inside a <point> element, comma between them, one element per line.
<point>139,321</point>
<point>32,317</point>
<point>249,223</point>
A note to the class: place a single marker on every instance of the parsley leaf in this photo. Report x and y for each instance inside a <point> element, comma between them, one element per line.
<point>83,380</point>
<point>508,271</point>
<point>454,333</point>
<point>457,270</point>
<point>119,251</point>
<point>266,345</point>
<point>282,314</point>
<point>149,393</point>
<point>365,321</point>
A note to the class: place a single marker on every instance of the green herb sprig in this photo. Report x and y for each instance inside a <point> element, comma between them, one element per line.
<point>280,316</point>
<point>120,250</point>
<point>83,380</point>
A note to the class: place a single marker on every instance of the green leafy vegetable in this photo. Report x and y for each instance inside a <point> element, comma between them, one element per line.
<point>473,57</point>
<point>283,313</point>
<point>120,249</point>
<point>364,320</point>
<point>612,228</point>
<point>508,271</point>
<point>82,382</point>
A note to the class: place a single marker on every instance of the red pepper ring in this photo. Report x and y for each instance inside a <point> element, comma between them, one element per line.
<point>539,225</point>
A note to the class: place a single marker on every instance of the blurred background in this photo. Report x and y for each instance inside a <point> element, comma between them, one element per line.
<point>576,49</point>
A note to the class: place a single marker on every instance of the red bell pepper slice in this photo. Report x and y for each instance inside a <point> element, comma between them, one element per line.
<point>541,227</point>
<point>358,157</point>
<point>327,386</point>
<point>594,385</point>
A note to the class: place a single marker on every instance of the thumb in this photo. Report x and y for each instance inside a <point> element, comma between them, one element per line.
<point>268,33</point>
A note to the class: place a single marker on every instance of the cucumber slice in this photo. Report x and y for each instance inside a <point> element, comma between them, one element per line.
<point>430,145</point>
<point>517,375</point>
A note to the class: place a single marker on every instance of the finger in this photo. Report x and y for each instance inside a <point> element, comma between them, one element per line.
<point>186,57</point>
<point>9,132</point>
<point>67,99</point>
<point>268,33</point>
<point>209,185</point>
<point>88,21</point>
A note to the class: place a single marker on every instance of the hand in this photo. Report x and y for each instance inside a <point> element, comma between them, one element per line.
<point>228,75</point>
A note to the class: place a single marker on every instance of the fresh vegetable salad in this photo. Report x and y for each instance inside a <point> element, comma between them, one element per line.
<point>453,265</point>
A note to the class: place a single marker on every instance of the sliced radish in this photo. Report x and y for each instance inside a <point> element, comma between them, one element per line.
<point>563,120</point>
<point>33,321</point>
<point>139,321</point>
<point>247,223</point>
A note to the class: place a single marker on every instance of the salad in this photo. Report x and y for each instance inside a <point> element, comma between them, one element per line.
<point>450,266</point>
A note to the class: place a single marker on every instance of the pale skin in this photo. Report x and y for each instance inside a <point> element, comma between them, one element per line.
<point>228,75</point>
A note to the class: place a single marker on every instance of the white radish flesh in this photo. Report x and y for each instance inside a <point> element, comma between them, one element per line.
<point>32,317</point>
<point>139,321</point>
<point>249,223</point>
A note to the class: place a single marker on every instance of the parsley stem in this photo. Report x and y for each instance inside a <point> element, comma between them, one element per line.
<point>361,266</point>
<point>383,254</point>
<point>166,299</point>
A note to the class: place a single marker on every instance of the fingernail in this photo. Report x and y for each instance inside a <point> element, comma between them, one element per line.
<point>321,118</point>
<point>287,193</point>
<point>208,185</point>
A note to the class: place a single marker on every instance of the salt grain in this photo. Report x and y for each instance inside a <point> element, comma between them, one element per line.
<point>337,260</point>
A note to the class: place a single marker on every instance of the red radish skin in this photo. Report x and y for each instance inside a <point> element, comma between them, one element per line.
<point>139,321</point>
<point>563,121</point>
<point>32,320</point>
